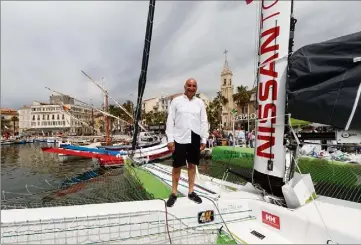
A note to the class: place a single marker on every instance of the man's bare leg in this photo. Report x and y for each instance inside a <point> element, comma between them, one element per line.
<point>176,172</point>
<point>191,177</point>
<point>175,179</point>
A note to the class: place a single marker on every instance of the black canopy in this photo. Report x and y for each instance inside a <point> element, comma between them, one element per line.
<point>324,82</point>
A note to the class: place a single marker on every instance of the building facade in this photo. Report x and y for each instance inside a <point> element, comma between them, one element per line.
<point>50,118</point>
<point>161,104</point>
<point>24,118</point>
<point>61,99</point>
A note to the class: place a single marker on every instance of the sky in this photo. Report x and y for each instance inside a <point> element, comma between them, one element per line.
<point>48,43</point>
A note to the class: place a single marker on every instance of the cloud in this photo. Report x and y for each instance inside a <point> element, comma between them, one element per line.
<point>49,43</point>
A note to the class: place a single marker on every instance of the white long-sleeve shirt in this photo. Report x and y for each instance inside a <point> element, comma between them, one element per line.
<point>184,116</point>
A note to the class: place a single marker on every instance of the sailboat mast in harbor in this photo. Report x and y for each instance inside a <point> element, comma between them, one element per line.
<point>106,117</point>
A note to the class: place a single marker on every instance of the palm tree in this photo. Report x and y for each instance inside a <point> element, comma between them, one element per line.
<point>14,119</point>
<point>242,96</point>
<point>223,101</point>
<point>129,107</point>
<point>118,112</point>
<point>115,111</point>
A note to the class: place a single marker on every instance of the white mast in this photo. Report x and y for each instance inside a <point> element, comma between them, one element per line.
<point>269,162</point>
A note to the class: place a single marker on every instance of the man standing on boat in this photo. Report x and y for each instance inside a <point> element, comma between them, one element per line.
<point>187,133</point>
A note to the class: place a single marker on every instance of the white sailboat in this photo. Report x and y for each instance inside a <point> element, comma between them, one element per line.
<point>229,212</point>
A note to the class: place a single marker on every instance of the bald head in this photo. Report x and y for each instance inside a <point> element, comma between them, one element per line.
<point>190,80</point>
<point>190,87</point>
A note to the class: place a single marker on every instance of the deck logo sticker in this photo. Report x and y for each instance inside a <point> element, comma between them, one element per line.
<point>271,220</point>
<point>205,216</point>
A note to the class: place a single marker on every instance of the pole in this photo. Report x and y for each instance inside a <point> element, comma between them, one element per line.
<point>107,139</point>
<point>233,131</point>
<point>248,117</point>
<point>92,119</point>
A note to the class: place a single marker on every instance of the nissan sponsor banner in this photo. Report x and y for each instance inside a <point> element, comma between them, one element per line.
<point>348,137</point>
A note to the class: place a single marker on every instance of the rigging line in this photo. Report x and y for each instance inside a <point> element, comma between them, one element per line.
<point>63,109</point>
<point>116,102</point>
<point>46,181</point>
<point>74,117</point>
<point>103,112</point>
<point>220,215</point>
<point>166,219</point>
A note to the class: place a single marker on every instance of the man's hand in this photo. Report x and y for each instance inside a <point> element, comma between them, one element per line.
<point>203,146</point>
<point>171,146</point>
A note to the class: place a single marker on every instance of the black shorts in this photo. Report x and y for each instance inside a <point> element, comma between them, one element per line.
<point>187,152</point>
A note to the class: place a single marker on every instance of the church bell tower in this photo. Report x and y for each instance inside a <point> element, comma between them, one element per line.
<point>227,91</point>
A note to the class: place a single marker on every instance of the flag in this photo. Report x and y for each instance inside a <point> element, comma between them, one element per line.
<point>249,1</point>
<point>234,111</point>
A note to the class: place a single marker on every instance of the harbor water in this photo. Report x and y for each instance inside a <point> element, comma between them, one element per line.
<point>33,178</point>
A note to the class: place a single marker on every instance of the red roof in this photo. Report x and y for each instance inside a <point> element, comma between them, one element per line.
<point>7,110</point>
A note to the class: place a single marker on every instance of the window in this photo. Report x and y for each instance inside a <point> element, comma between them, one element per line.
<point>47,117</point>
<point>43,117</point>
<point>33,117</point>
<point>52,117</point>
<point>58,117</point>
<point>224,81</point>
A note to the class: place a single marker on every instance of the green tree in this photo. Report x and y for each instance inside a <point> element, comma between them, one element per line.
<point>155,117</point>
<point>160,117</point>
<point>148,117</point>
<point>214,110</point>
